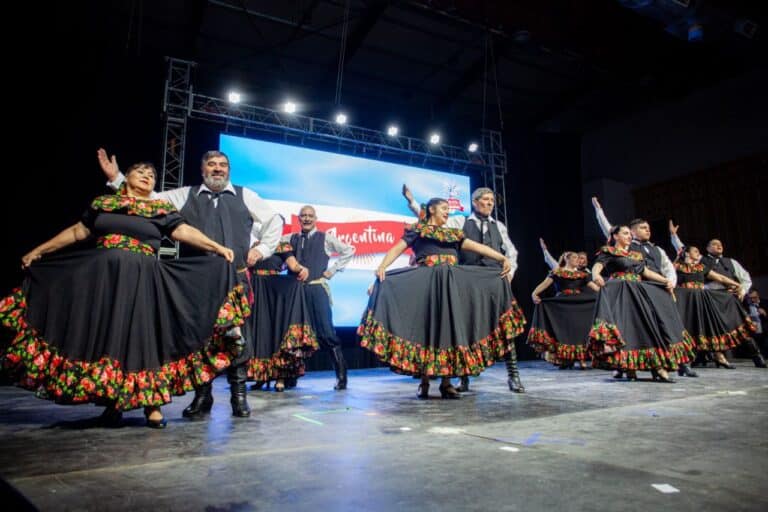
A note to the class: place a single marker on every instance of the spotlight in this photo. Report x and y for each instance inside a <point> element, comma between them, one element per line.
<point>341,118</point>
<point>472,147</point>
<point>434,138</point>
<point>234,97</point>
<point>289,107</point>
<point>392,130</point>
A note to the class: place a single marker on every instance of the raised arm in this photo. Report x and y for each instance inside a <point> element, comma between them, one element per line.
<point>548,258</point>
<point>676,242</point>
<point>602,220</point>
<point>412,204</point>
<point>392,254</point>
<point>194,237</point>
<point>68,236</point>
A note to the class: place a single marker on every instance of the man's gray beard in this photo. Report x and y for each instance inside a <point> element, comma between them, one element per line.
<point>215,183</point>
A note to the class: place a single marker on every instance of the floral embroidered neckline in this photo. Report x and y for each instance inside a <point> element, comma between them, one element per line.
<point>626,253</point>
<point>133,205</point>
<point>689,268</point>
<point>439,233</point>
<point>569,274</point>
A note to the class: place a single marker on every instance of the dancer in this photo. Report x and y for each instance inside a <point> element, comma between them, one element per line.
<point>636,325</point>
<point>440,319</point>
<point>308,261</point>
<point>655,259</point>
<point>233,216</point>
<point>552,263</point>
<point>484,229</point>
<point>114,325</point>
<point>715,319</point>
<point>561,324</point>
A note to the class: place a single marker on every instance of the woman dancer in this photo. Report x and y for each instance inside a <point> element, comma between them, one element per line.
<point>440,319</point>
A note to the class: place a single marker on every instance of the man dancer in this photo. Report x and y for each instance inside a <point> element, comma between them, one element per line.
<point>233,216</point>
<point>655,259</point>
<point>483,229</point>
<point>312,250</point>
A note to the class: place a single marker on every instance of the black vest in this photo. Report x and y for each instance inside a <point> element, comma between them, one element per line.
<point>492,240</point>
<point>229,223</point>
<point>311,253</point>
<point>722,266</point>
<point>652,258</point>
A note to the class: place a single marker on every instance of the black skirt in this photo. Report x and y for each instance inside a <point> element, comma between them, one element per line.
<point>279,328</point>
<point>560,327</point>
<point>443,320</point>
<point>715,319</point>
<point>637,327</point>
<point>114,326</point>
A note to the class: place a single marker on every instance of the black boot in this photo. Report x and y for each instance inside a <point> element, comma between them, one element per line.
<point>236,376</point>
<point>757,357</point>
<point>463,384</point>
<point>340,365</point>
<point>513,376</point>
<point>685,371</point>
<point>701,360</point>
<point>201,404</point>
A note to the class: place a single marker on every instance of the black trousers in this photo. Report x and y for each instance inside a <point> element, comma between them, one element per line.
<point>321,316</point>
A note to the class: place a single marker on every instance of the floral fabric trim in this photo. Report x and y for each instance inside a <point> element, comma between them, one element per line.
<point>127,243</point>
<point>626,276</point>
<point>569,274</point>
<point>265,272</point>
<point>299,342</point>
<point>434,260</point>
<point>727,340</point>
<point>689,268</point>
<point>570,291</point>
<point>556,353</point>
<point>439,233</point>
<point>626,253</point>
<point>36,364</point>
<point>695,285</point>
<point>410,358</point>
<point>133,205</point>
<point>606,343</point>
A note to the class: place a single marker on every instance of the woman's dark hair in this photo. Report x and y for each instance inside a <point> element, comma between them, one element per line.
<point>431,203</point>
<point>615,231</point>
<point>684,250</point>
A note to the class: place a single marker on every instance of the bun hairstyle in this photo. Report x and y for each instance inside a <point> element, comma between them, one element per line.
<point>563,259</point>
<point>432,203</point>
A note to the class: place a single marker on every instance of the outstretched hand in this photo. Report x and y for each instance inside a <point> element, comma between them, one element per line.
<point>672,228</point>
<point>28,258</point>
<point>109,166</point>
<point>542,244</point>
<point>407,193</point>
<point>596,203</point>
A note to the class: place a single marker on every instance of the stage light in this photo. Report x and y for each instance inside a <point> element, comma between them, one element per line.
<point>434,138</point>
<point>234,97</point>
<point>472,147</point>
<point>289,107</point>
<point>392,130</point>
<point>341,118</point>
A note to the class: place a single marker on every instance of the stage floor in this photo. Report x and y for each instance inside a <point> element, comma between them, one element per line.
<point>577,440</point>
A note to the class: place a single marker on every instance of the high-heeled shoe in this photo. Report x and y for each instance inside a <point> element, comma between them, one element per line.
<point>658,377</point>
<point>423,390</point>
<point>448,391</point>
<point>631,375</point>
<point>618,374</point>
<point>279,386</point>
<point>724,364</point>
<point>161,423</point>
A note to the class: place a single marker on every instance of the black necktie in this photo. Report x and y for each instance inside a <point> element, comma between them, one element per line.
<point>485,233</point>
<point>302,244</point>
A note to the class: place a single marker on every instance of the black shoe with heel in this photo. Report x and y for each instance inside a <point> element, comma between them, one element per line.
<point>201,404</point>
<point>448,391</point>
<point>657,377</point>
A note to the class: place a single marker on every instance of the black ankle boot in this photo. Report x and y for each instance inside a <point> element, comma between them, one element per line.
<point>701,360</point>
<point>757,357</point>
<point>463,384</point>
<point>340,365</point>
<point>236,377</point>
<point>201,404</point>
<point>685,371</point>
<point>513,375</point>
